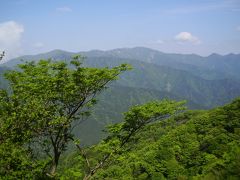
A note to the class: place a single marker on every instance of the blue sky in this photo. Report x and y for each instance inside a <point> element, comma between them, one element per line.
<point>179,26</point>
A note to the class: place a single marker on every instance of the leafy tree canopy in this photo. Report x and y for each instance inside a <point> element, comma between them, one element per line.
<point>37,117</point>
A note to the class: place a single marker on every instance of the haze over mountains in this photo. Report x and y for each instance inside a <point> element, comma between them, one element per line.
<point>214,66</point>
<point>205,82</point>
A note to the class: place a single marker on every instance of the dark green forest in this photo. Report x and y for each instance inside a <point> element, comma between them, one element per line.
<point>52,114</point>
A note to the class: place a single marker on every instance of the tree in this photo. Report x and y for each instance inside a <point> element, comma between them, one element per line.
<point>2,55</point>
<point>121,134</point>
<point>47,99</point>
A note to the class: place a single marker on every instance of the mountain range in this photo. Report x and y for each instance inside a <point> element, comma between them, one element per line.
<point>205,82</point>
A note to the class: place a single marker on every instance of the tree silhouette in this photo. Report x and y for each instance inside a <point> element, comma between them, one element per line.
<point>2,55</point>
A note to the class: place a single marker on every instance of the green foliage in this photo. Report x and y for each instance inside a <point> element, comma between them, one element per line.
<point>37,117</point>
<point>122,134</point>
<point>192,145</point>
<point>138,116</point>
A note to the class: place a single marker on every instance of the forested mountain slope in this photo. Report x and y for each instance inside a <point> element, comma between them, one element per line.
<point>111,105</point>
<point>192,145</point>
<point>208,93</point>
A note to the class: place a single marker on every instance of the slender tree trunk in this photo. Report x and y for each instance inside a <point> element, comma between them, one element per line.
<point>54,165</point>
<point>53,169</point>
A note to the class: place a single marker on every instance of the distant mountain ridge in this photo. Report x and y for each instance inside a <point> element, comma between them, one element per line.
<point>211,67</point>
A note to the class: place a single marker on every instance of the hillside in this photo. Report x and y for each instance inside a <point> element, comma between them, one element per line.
<point>192,145</point>
<point>112,103</point>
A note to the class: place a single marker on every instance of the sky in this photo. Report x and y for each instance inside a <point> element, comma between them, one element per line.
<point>172,26</point>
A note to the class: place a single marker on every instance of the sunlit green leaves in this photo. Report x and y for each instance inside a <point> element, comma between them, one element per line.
<point>46,98</point>
<point>140,115</point>
<point>192,145</point>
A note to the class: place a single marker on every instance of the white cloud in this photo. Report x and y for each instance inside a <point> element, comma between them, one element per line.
<point>187,37</point>
<point>10,38</point>
<point>38,45</point>
<point>64,9</point>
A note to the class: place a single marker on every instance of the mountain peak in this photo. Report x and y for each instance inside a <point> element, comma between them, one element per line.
<point>215,55</point>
